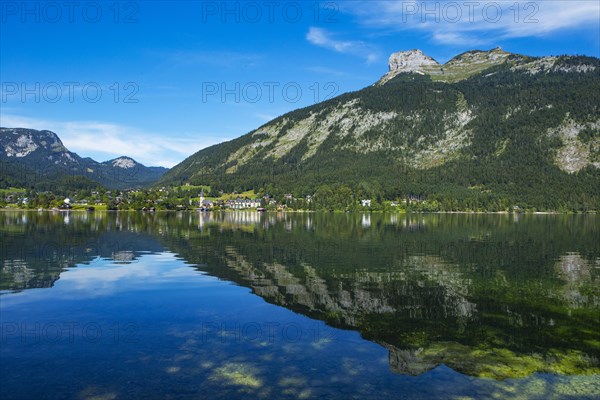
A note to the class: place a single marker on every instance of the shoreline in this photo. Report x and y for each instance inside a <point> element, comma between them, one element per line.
<point>594,212</point>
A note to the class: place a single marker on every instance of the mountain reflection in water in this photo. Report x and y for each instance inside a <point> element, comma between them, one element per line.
<point>499,296</point>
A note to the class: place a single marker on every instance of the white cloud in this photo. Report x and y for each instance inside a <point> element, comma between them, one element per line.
<point>321,37</point>
<point>458,39</point>
<point>265,117</point>
<point>473,23</point>
<point>101,139</point>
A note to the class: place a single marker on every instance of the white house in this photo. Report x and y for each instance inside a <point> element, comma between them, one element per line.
<point>241,204</point>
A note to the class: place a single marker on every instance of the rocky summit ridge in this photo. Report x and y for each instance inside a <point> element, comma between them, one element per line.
<point>472,62</point>
<point>460,67</point>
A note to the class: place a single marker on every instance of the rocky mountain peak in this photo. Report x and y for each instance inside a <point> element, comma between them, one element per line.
<point>20,142</point>
<point>123,162</point>
<point>411,61</point>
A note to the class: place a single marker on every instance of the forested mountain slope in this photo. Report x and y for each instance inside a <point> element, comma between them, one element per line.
<point>487,128</point>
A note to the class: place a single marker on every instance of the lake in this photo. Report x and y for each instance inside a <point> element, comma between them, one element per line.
<point>263,305</point>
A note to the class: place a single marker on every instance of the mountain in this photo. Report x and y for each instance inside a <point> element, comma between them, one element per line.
<point>486,129</point>
<point>32,158</point>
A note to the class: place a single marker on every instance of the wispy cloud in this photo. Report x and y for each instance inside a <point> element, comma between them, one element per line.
<point>108,140</point>
<point>323,38</point>
<point>265,117</point>
<point>473,23</point>
<point>460,39</point>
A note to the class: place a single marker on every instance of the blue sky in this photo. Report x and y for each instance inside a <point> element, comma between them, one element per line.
<point>159,80</point>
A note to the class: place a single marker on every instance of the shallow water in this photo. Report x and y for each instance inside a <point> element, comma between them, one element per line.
<point>249,305</point>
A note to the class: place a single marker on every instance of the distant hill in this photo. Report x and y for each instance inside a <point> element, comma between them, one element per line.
<point>488,128</point>
<point>32,158</point>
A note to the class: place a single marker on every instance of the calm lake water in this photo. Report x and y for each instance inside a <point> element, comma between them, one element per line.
<point>249,305</point>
